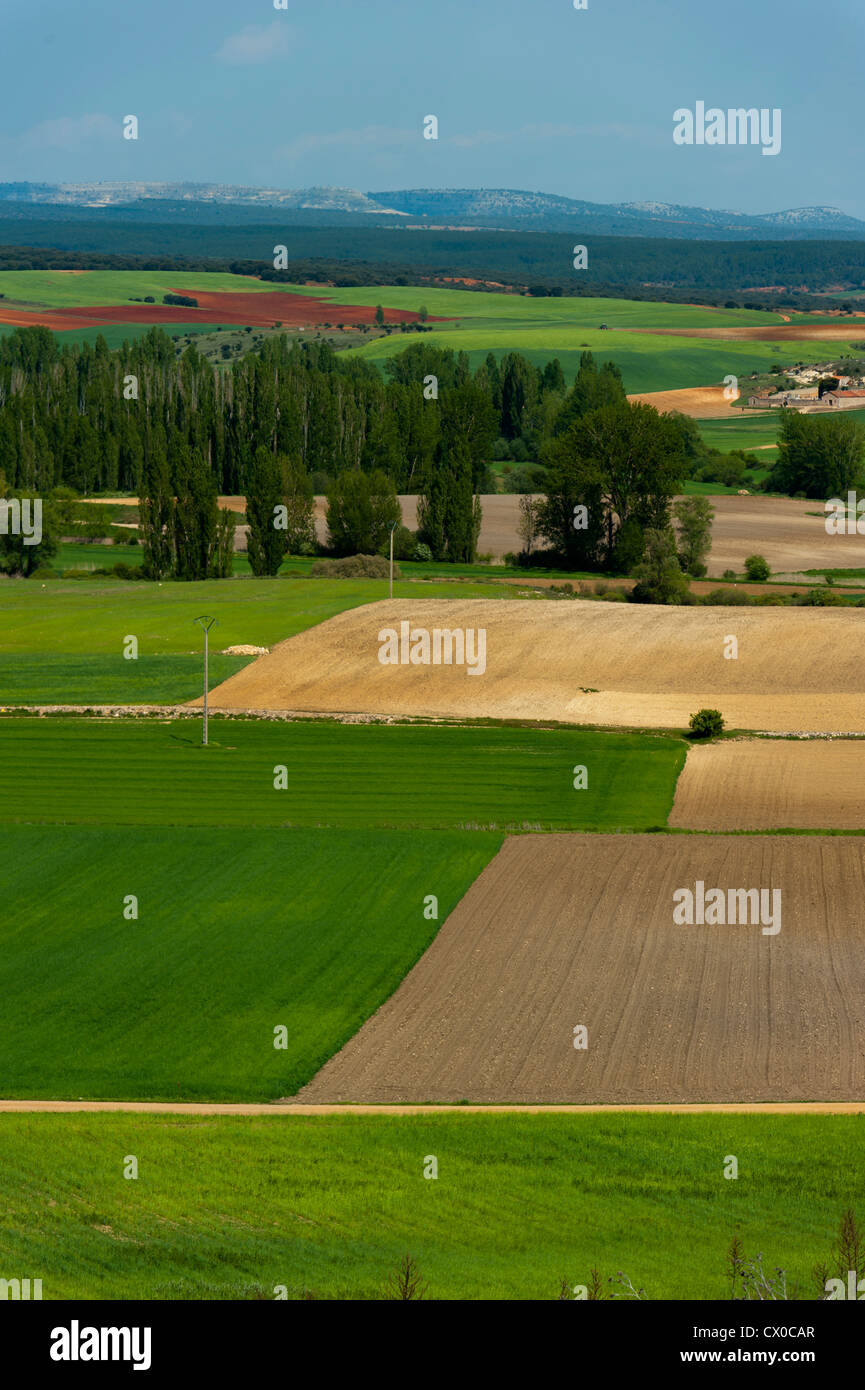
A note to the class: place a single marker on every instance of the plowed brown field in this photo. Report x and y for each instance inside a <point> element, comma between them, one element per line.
<point>770,333</point>
<point>568,930</point>
<point>214,306</point>
<point>578,662</point>
<point>757,784</point>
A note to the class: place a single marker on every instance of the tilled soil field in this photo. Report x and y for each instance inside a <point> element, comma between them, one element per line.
<point>578,662</point>
<point>569,931</point>
<point>777,784</point>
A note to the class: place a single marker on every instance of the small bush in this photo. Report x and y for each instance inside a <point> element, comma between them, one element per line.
<point>121,570</point>
<point>729,575</point>
<point>756,568</point>
<point>403,543</point>
<point>355,567</point>
<point>706,723</point>
<point>820,598</point>
<point>726,598</point>
<point>43,572</point>
<point>422,553</point>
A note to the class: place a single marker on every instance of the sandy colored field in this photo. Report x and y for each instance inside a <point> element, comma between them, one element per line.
<point>700,402</point>
<point>577,662</point>
<point>498,535</point>
<point>789,533</point>
<point>569,930</point>
<point>760,784</point>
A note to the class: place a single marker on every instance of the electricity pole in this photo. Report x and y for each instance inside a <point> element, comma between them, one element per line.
<point>205,624</point>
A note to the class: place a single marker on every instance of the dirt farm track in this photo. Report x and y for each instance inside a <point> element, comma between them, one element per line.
<point>797,670</point>
<point>567,930</point>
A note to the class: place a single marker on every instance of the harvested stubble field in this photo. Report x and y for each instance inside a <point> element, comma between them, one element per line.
<point>789,533</point>
<point>758,784</point>
<point>568,930</point>
<point>577,662</point>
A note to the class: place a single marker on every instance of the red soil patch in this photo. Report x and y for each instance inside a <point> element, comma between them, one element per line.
<point>214,306</point>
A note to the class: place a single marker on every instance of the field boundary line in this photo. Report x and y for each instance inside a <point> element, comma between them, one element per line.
<point>298,1110</point>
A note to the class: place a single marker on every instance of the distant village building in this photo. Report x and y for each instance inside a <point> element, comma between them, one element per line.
<point>845,400</point>
<point>785,398</point>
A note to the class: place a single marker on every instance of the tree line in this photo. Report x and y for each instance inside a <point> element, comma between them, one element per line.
<point>290,420</point>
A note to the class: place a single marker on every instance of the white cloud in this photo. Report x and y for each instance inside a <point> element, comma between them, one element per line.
<point>256,44</point>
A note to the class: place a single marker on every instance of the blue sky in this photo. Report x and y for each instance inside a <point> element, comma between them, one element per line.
<point>529,94</point>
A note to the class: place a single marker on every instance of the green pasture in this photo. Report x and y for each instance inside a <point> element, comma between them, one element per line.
<point>236,1208</point>
<point>116,334</point>
<point>58,289</point>
<point>648,361</point>
<point>83,616</point>
<point>46,679</point>
<point>155,772</point>
<point>238,932</point>
<point>750,431</point>
<point>516,309</point>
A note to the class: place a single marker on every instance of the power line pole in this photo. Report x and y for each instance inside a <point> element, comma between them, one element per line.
<point>205,624</point>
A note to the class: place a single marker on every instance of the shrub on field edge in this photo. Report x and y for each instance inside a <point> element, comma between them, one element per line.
<point>757,568</point>
<point>706,723</point>
<point>355,567</point>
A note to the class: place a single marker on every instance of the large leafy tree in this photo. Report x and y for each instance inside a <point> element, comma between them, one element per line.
<point>623,464</point>
<point>818,455</point>
<point>593,387</point>
<point>360,510</point>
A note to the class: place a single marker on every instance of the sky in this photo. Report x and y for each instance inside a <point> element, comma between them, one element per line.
<point>529,94</point>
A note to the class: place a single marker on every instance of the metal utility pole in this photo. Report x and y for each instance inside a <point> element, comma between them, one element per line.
<point>392,529</point>
<point>205,624</point>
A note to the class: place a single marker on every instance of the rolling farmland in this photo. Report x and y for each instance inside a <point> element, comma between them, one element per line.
<point>578,662</point>
<point>572,931</point>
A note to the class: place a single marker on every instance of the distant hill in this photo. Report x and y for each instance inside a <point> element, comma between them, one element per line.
<point>454,208</point>
<point>549,212</point>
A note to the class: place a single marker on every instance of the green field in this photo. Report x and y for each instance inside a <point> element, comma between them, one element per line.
<point>40,627</point>
<point>43,679</point>
<point>513,309</point>
<point>57,289</point>
<point>482,323</point>
<point>648,361</point>
<point>116,334</point>
<point>233,1208</point>
<point>60,290</point>
<point>238,932</point>
<point>149,772</point>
